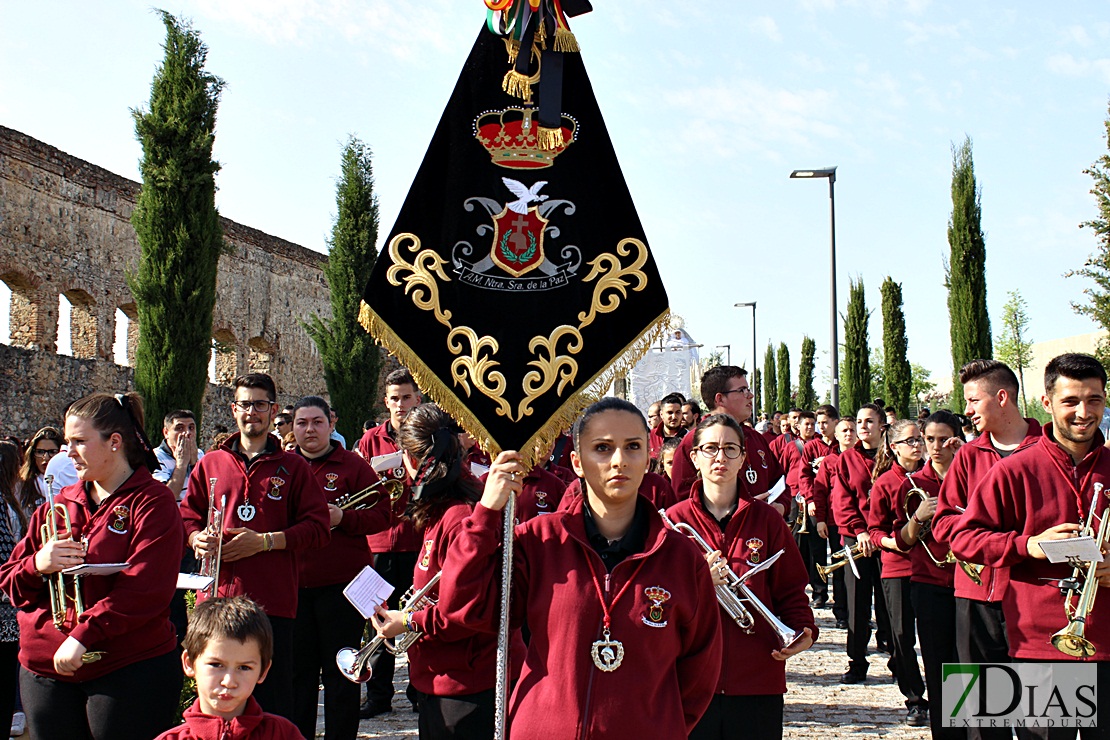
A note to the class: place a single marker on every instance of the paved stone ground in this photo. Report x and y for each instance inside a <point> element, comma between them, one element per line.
<point>817,706</point>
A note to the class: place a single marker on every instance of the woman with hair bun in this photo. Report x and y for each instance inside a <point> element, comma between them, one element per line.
<point>625,627</point>
<point>109,671</point>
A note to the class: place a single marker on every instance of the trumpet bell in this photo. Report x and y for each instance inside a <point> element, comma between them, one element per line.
<point>352,665</point>
<point>1070,641</point>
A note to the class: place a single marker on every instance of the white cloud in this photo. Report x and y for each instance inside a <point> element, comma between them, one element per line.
<point>1068,66</point>
<point>766,26</point>
<point>921,33</point>
<point>1079,35</point>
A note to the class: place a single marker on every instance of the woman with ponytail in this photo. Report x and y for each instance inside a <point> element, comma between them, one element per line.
<point>110,671</point>
<point>897,460</point>
<point>453,667</point>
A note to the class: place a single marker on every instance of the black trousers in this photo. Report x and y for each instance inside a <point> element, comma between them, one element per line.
<point>179,612</point>
<point>467,717</point>
<point>9,684</point>
<point>814,549</point>
<point>839,590</point>
<point>981,638</point>
<point>741,718</point>
<point>326,622</point>
<point>903,641</point>
<point>395,567</point>
<point>861,591</point>
<point>1101,732</point>
<point>135,702</point>
<point>275,694</point>
<point>935,609</point>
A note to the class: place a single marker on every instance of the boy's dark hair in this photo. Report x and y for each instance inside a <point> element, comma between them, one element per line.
<point>693,407</point>
<point>236,617</point>
<point>676,398</point>
<point>996,374</point>
<point>812,415</point>
<point>890,410</point>
<point>670,443</point>
<point>828,410</point>
<point>283,418</point>
<point>173,416</point>
<point>400,377</point>
<point>258,380</point>
<point>1075,366</point>
<point>794,410</point>
<point>716,380</point>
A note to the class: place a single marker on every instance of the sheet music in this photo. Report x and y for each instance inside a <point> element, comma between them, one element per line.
<point>95,569</point>
<point>193,581</point>
<point>1081,548</point>
<point>478,469</point>
<point>386,463</point>
<point>367,591</point>
<point>776,490</point>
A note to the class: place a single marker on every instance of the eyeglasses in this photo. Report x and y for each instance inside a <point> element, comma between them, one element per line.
<point>746,390</point>
<point>732,451</point>
<point>46,453</point>
<point>258,406</point>
<point>911,441</point>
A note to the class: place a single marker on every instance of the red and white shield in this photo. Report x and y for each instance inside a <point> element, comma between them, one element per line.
<point>518,241</point>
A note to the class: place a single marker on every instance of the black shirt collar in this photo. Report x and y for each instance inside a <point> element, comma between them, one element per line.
<point>723,521</point>
<point>632,543</point>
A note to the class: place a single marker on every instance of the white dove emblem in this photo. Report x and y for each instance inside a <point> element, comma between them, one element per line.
<point>525,195</point>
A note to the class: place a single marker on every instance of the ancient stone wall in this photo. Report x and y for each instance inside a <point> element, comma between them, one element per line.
<point>65,230</point>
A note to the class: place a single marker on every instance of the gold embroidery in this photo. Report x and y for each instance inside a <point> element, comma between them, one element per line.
<point>553,367</point>
<point>421,283</point>
<point>478,367</point>
<point>614,276</point>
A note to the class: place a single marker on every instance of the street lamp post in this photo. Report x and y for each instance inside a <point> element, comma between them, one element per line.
<point>728,352</point>
<point>830,174</point>
<point>751,304</point>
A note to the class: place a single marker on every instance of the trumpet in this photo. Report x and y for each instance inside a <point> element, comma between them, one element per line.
<point>361,500</point>
<point>210,565</point>
<point>848,556</point>
<point>801,501</point>
<point>56,584</point>
<point>915,493</point>
<point>1071,639</point>
<point>734,594</point>
<point>355,664</point>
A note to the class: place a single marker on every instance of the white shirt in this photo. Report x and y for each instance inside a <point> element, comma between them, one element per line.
<point>165,457</point>
<point>61,467</point>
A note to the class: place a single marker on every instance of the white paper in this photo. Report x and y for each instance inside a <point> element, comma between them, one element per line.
<point>386,463</point>
<point>776,490</point>
<point>1080,548</point>
<point>478,469</point>
<point>193,582</point>
<point>95,569</point>
<point>367,591</point>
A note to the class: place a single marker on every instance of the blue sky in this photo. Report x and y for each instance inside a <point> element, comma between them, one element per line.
<point>710,106</point>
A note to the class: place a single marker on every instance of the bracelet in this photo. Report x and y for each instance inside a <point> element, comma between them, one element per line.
<point>267,541</point>
<point>917,521</point>
<point>405,622</point>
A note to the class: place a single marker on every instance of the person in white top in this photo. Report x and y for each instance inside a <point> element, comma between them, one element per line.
<point>178,452</point>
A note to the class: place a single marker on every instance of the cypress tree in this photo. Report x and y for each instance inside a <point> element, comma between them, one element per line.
<point>351,359</point>
<point>757,390</point>
<point>896,368</point>
<point>807,398</point>
<point>1097,266</point>
<point>178,229</point>
<point>856,380</point>
<point>784,401</point>
<point>770,381</point>
<point>966,270</point>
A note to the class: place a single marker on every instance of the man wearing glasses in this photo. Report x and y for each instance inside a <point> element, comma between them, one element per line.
<point>274,507</point>
<point>725,390</point>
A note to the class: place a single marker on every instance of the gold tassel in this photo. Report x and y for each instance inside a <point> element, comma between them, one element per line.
<point>512,48</point>
<point>565,41</point>
<point>550,139</point>
<point>518,85</point>
<point>541,36</point>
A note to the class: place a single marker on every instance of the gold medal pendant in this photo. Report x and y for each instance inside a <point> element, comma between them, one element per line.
<point>608,654</point>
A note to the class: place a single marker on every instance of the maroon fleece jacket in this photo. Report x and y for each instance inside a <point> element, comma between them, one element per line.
<point>252,724</point>
<point>401,537</point>
<point>760,473</point>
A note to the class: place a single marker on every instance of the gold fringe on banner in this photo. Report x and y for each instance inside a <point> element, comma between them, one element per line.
<point>519,85</point>
<point>565,41</point>
<point>621,364</point>
<point>541,36</point>
<point>549,139</point>
<point>512,48</point>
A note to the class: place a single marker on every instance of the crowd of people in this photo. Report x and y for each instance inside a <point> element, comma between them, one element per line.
<point>665,568</point>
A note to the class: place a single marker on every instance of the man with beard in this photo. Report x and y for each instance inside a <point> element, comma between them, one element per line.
<point>670,417</point>
<point>1042,494</point>
<point>274,508</point>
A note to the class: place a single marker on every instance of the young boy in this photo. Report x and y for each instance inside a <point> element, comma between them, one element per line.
<point>666,455</point>
<point>228,649</point>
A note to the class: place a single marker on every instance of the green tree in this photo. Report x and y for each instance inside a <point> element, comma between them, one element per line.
<point>178,229</point>
<point>770,382</point>
<point>352,361</point>
<point>1012,346</point>
<point>757,390</point>
<point>920,385</point>
<point>1097,266</point>
<point>783,399</point>
<point>807,397</point>
<point>966,269</point>
<point>897,375</point>
<point>855,383</point>
<point>876,364</point>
